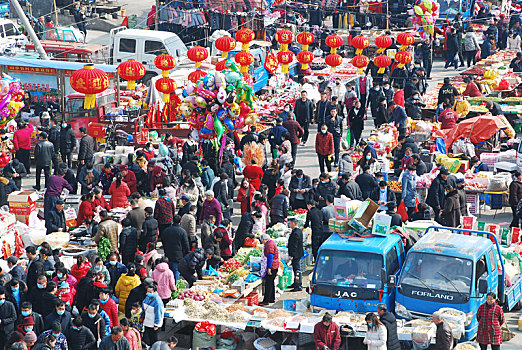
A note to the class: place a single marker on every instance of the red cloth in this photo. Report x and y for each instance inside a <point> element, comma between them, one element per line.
<point>111,309</point>
<point>398,98</point>
<point>148,154</point>
<point>472,90</point>
<point>130,180</point>
<point>242,198</point>
<point>164,210</point>
<point>254,174</point>
<point>84,212</point>
<point>294,130</point>
<point>175,142</point>
<point>490,319</point>
<point>448,119</point>
<point>324,144</point>
<point>22,138</point>
<point>80,272</point>
<point>151,17</point>
<point>405,163</point>
<point>327,336</point>
<point>271,248</point>
<point>225,243</point>
<point>119,195</point>
<point>100,202</point>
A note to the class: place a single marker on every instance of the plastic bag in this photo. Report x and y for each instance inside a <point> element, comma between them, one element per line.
<point>206,327</point>
<point>251,278</point>
<point>163,150</point>
<point>497,184</point>
<point>250,242</point>
<point>211,272</point>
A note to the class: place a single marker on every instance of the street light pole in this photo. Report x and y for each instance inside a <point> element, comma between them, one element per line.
<point>29,29</point>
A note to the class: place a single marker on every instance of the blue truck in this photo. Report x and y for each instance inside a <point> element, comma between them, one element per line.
<point>352,273</point>
<point>451,268</point>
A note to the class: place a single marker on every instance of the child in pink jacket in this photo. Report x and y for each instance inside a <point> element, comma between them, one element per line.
<point>164,276</point>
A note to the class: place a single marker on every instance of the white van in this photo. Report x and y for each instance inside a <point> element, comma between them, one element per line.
<point>143,46</point>
<point>10,30</point>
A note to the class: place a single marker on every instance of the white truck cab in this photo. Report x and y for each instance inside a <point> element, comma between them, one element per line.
<point>9,30</point>
<point>143,46</point>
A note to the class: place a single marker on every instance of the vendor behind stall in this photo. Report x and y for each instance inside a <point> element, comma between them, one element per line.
<point>477,165</point>
<point>326,334</point>
<point>191,266</point>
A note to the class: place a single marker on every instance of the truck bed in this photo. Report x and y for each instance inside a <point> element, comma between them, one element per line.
<point>514,293</point>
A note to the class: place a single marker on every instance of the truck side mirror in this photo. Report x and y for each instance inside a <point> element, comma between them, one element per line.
<point>483,286</point>
<point>383,276</point>
<point>392,281</point>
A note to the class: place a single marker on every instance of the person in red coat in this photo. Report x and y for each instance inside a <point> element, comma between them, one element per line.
<point>407,160</point>
<point>129,178</point>
<point>490,317</point>
<point>156,180</point>
<point>448,118</point>
<point>110,307</point>
<point>225,245</point>
<point>472,89</point>
<point>86,210</point>
<point>254,174</point>
<point>245,195</point>
<point>80,269</point>
<point>99,200</point>
<point>271,254</point>
<point>148,151</point>
<point>398,97</point>
<point>324,147</point>
<point>119,192</point>
<point>327,334</point>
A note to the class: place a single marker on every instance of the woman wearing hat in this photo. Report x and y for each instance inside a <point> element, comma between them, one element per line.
<point>22,329</point>
<point>129,178</point>
<point>119,192</point>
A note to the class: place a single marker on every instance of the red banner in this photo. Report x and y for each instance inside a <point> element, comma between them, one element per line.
<point>271,63</point>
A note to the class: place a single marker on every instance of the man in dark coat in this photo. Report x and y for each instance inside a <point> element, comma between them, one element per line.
<point>275,136</point>
<point>35,267</point>
<point>304,113</point>
<point>193,263</point>
<point>436,192</point>
<point>15,170</point>
<point>175,244</point>
<point>443,335</point>
<point>212,243</point>
<point>244,230</point>
<point>250,136</point>
<point>295,252</point>
<point>7,319</point>
<point>86,151</point>
<point>79,337</point>
<point>447,91</point>
<point>94,321</point>
<point>136,215</point>
<point>451,49</point>
<point>420,166</point>
<point>366,182</point>
<point>26,310</point>
<point>299,187</point>
<point>279,207</point>
<point>389,321</point>
<point>137,294</point>
<point>295,132</point>
<point>56,219</point>
<point>149,230</point>
<point>43,155</point>
<point>314,220</point>
<point>376,195</point>
<point>17,271</point>
<point>396,219</point>
<point>67,143</point>
<point>59,315</point>
<point>325,187</point>
<point>54,138</point>
<point>349,188</point>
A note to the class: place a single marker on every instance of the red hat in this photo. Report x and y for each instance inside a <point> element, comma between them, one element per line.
<point>123,167</point>
<point>156,170</point>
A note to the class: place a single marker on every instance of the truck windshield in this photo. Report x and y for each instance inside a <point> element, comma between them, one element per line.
<point>349,269</point>
<point>449,7</point>
<point>437,272</point>
<point>176,47</point>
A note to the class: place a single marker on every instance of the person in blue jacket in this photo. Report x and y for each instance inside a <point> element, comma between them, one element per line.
<point>477,165</point>
<point>154,313</point>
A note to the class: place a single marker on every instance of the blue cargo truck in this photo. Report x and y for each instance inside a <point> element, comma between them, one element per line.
<point>448,267</point>
<point>352,273</point>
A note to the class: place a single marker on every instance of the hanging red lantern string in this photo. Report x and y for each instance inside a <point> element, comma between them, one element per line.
<point>89,81</point>
<point>131,71</point>
<point>333,60</point>
<point>360,43</point>
<point>196,75</point>
<point>285,58</point>
<point>405,39</point>
<point>305,57</point>
<point>360,62</point>
<point>333,42</point>
<point>165,63</point>
<point>403,57</point>
<point>382,62</point>
<point>244,59</point>
<point>285,38</point>
<point>225,44</point>
<point>383,42</point>
<point>166,86</point>
<point>197,54</point>
<point>245,36</point>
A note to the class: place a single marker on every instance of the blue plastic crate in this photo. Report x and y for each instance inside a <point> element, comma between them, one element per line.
<point>495,201</point>
<point>289,304</point>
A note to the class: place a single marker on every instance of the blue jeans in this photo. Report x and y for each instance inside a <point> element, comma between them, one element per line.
<point>174,268</point>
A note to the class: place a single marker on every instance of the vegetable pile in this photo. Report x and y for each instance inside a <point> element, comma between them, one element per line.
<point>230,265</point>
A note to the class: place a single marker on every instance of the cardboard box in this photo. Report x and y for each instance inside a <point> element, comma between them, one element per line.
<point>361,220</point>
<point>343,209</point>
<point>338,225</point>
<point>381,224</point>
<point>22,204</point>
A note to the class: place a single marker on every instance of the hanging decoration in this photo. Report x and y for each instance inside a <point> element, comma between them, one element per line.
<point>333,60</point>
<point>165,63</point>
<point>89,81</point>
<point>220,65</point>
<point>405,39</point>
<point>403,57</point>
<point>225,44</point>
<point>196,75</point>
<point>245,59</point>
<point>382,62</point>
<point>333,42</point>
<point>305,57</point>
<point>284,37</point>
<point>360,62</point>
<point>166,86</point>
<point>197,54</point>
<point>131,71</point>
<point>383,42</point>
<point>11,101</point>
<point>360,43</point>
<point>424,15</point>
<point>245,36</point>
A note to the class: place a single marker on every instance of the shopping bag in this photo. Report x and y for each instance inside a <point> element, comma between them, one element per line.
<point>211,272</point>
<point>402,211</point>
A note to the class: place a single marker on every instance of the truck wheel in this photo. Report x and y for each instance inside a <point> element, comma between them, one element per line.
<point>146,79</point>
<point>115,15</point>
<point>518,305</point>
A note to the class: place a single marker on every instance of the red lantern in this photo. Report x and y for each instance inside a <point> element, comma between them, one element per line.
<point>360,43</point>
<point>403,57</point>
<point>333,60</point>
<point>360,62</point>
<point>196,75</point>
<point>305,39</point>
<point>165,63</point>
<point>333,41</point>
<point>284,37</point>
<point>197,54</point>
<point>245,36</point>
<point>221,65</point>
<point>89,81</point>
<point>245,59</point>
<point>285,58</point>
<point>405,39</point>
<point>131,71</point>
<point>382,62</point>
<point>166,86</point>
<point>305,57</point>
<point>383,42</point>
<point>225,44</point>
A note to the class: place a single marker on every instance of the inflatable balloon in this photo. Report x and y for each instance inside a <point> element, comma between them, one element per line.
<point>239,122</point>
<point>221,114</point>
<point>206,131</point>
<point>186,109</point>
<point>424,16</point>
<point>218,128</point>
<point>221,95</point>
<point>228,124</point>
<point>209,122</point>
<point>234,110</point>
<point>208,81</point>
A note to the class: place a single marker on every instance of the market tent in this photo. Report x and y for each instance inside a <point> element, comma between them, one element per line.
<point>477,129</point>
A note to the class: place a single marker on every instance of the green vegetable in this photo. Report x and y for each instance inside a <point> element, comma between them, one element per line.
<point>256,253</point>
<point>233,277</point>
<point>104,248</point>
